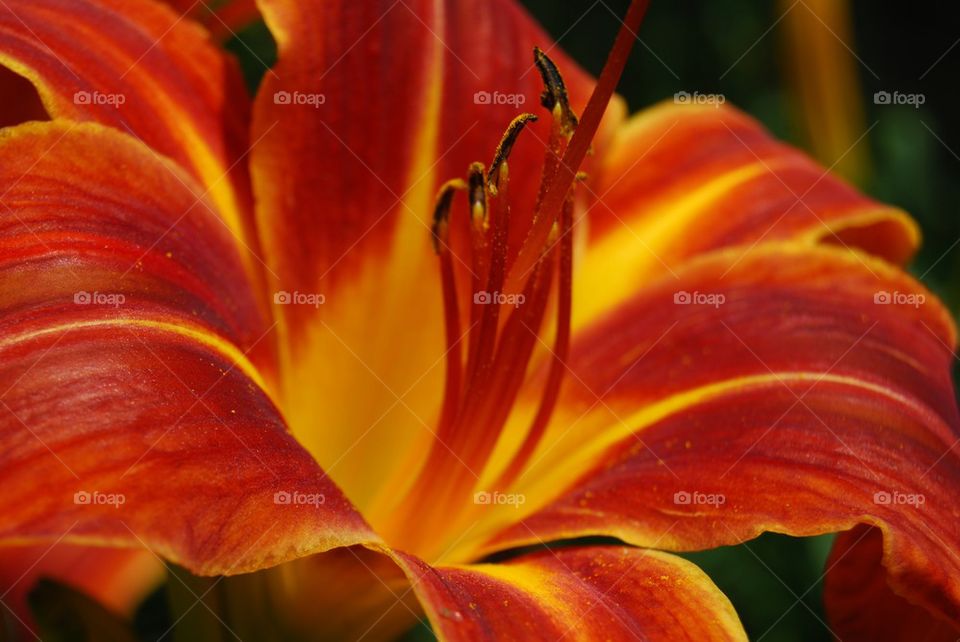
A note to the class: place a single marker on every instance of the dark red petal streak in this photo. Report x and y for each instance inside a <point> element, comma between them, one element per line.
<point>85,208</point>
<point>766,189</point>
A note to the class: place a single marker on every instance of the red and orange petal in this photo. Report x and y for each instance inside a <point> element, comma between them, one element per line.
<point>369,109</point>
<point>86,208</point>
<point>135,66</point>
<point>591,593</point>
<point>860,603</point>
<point>813,396</point>
<point>126,325</point>
<point>681,180</point>
<point>585,593</point>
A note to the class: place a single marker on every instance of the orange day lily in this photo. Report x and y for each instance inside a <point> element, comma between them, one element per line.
<point>243,337</point>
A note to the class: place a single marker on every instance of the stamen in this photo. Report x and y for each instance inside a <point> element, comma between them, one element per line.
<point>506,144</point>
<point>606,84</point>
<point>487,309</point>
<point>490,410</point>
<point>451,309</point>
<point>478,195</point>
<point>561,348</point>
<point>479,244</point>
<point>441,213</point>
<point>488,406</point>
<point>554,94</point>
<point>479,397</point>
<point>567,168</point>
<point>564,124</point>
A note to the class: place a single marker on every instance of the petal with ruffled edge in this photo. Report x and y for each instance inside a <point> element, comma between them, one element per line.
<point>860,605</point>
<point>371,106</point>
<point>795,389</point>
<point>583,593</point>
<point>590,593</point>
<point>128,341</point>
<point>136,66</point>
<point>681,180</point>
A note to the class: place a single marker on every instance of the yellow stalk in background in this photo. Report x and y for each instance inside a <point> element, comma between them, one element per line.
<point>821,66</point>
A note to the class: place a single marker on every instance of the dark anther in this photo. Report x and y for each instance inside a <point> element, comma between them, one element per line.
<point>477,192</point>
<point>554,91</point>
<point>441,212</point>
<point>506,143</point>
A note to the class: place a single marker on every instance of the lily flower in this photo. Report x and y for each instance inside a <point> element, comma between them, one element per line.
<point>385,334</point>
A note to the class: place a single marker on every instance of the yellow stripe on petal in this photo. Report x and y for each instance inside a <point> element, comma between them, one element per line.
<point>559,465</point>
<point>794,389</point>
<point>197,334</point>
<point>682,180</point>
<point>635,253</point>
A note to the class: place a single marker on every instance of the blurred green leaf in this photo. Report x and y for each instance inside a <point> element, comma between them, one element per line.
<point>64,614</point>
